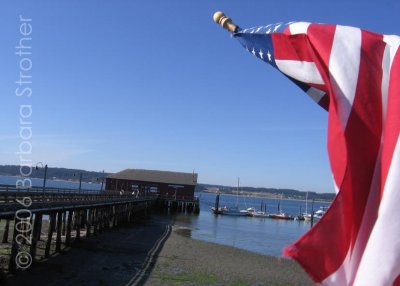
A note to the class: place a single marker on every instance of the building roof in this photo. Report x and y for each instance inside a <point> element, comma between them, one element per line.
<point>156,176</point>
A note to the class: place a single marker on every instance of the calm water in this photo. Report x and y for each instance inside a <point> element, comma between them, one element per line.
<point>260,235</point>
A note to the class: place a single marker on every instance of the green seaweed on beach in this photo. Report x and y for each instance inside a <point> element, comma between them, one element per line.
<point>238,283</point>
<point>187,277</point>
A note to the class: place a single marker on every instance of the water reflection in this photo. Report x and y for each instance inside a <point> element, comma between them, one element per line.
<point>184,231</point>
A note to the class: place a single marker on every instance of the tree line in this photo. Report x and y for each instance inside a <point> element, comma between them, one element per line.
<point>55,173</point>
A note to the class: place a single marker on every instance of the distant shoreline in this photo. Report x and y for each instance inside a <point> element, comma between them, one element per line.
<point>275,194</point>
<point>50,179</point>
<point>263,196</point>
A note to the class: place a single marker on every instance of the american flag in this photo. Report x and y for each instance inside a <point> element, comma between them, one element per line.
<point>355,75</point>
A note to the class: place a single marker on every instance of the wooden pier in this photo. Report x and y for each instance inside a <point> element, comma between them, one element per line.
<point>39,224</point>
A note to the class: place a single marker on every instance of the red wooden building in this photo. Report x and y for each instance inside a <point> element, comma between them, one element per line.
<point>166,184</point>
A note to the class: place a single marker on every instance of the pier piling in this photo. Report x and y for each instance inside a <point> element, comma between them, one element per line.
<point>69,228</point>
<point>14,248</point>
<point>59,227</point>
<point>6,231</point>
<point>37,228</point>
<point>67,214</point>
<point>50,234</point>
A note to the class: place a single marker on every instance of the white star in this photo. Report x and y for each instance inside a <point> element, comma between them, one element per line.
<point>261,54</point>
<point>269,30</point>
<point>258,30</point>
<point>269,56</point>
<point>253,52</point>
<point>277,27</point>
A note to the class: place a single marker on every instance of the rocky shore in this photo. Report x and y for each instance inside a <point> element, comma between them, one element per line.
<point>157,252</point>
<point>184,261</point>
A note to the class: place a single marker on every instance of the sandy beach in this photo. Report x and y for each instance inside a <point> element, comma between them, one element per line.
<point>155,251</point>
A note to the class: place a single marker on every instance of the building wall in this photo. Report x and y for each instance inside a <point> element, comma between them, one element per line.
<point>171,191</point>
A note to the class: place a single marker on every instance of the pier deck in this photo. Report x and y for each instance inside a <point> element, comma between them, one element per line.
<point>71,214</point>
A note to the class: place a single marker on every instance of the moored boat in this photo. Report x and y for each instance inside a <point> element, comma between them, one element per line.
<point>254,213</point>
<point>280,216</point>
<point>317,214</point>
<point>232,211</point>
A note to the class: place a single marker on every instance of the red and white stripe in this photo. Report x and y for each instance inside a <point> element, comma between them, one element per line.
<point>383,248</point>
<point>357,242</point>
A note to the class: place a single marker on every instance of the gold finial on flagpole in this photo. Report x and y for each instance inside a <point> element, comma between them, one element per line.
<point>224,21</point>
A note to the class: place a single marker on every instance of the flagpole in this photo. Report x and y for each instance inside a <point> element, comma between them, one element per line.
<point>226,23</point>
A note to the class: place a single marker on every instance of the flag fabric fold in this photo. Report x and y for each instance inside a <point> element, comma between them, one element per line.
<point>355,75</point>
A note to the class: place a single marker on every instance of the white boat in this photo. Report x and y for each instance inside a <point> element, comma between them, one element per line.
<point>307,217</point>
<point>253,212</point>
<point>317,214</point>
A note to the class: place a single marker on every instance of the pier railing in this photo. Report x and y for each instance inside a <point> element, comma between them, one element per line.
<point>53,199</point>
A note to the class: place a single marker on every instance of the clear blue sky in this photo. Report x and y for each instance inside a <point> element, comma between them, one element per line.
<point>158,85</point>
